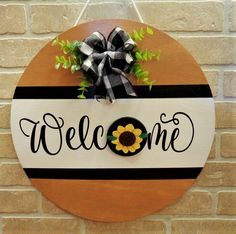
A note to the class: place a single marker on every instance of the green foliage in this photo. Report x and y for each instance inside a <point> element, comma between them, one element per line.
<point>138,35</point>
<point>142,75</point>
<point>111,138</point>
<point>143,56</point>
<point>147,55</point>
<point>62,61</point>
<point>66,46</point>
<point>149,30</point>
<point>73,59</point>
<point>144,135</point>
<point>83,87</point>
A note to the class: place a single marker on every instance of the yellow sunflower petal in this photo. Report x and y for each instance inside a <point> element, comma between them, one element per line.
<point>115,142</point>
<point>137,132</point>
<point>119,147</point>
<point>116,134</point>
<point>136,146</point>
<point>138,140</point>
<point>125,149</point>
<point>120,129</point>
<point>131,149</point>
<point>129,127</point>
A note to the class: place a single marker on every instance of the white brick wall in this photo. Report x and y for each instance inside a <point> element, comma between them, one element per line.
<point>207,29</point>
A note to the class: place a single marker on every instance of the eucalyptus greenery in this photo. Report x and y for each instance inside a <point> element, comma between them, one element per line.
<point>73,59</point>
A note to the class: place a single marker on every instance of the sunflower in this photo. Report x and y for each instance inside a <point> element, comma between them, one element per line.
<point>127,138</point>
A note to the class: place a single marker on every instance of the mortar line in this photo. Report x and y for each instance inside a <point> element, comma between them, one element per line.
<point>36,215</point>
<point>190,217</point>
<point>174,34</point>
<point>9,2</point>
<point>82,226</point>
<point>1,226</point>
<point>217,146</point>
<point>214,195</point>
<point>40,202</point>
<point>28,19</point>
<point>168,225</point>
<point>227,4</point>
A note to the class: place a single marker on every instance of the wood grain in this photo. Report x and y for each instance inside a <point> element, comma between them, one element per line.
<point>112,200</point>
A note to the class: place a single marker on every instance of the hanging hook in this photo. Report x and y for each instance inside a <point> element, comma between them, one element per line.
<point>82,12</point>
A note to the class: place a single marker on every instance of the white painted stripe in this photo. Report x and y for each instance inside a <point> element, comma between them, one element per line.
<point>148,111</point>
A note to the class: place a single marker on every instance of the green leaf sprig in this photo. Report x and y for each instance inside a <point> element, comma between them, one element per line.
<point>143,56</point>
<point>138,35</point>
<point>142,75</point>
<point>83,88</point>
<point>147,55</point>
<point>73,59</point>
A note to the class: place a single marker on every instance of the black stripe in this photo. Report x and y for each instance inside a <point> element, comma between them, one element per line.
<point>114,174</point>
<point>157,91</point>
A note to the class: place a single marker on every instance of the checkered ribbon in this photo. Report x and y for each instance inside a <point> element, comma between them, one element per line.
<point>107,62</point>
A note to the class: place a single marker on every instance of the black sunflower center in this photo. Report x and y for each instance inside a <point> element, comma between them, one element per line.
<point>127,138</point>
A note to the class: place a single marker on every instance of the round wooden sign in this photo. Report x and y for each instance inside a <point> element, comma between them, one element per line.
<point>114,161</point>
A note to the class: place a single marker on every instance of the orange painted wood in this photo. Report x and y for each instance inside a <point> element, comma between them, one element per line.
<point>112,200</point>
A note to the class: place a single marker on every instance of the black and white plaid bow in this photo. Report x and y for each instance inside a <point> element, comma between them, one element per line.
<point>108,61</point>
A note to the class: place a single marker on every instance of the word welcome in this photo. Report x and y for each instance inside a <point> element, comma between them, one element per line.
<point>40,133</point>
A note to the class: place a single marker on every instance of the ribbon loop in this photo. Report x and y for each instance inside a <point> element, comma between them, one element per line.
<point>108,61</point>
<point>96,42</point>
<point>119,40</point>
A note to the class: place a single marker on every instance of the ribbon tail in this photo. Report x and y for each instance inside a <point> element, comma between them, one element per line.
<point>124,81</point>
<point>128,86</point>
<point>109,90</point>
<point>124,84</point>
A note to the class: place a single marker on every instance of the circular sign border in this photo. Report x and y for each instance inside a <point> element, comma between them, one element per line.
<point>84,212</point>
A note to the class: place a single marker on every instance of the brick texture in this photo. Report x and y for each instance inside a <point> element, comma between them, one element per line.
<point>226,203</point>
<point>12,174</point>
<point>18,201</point>
<point>7,149</point>
<point>218,174</point>
<point>54,18</point>
<point>96,11</point>
<point>212,153</point>
<point>225,114</point>
<point>213,79</point>
<point>203,226</point>
<point>207,30</point>
<point>50,208</point>
<point>8,82</point>
<point>211,50</point>
<point>194,202</point>
<point>232,17</point>
<point>183,16</point>
<point>22,51</point>
<point>12,19</point>
<point>5,115</point>
<point>230,84</point>
<point>228,145</point>
<point>40,225</point>
<point>138,227</point>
